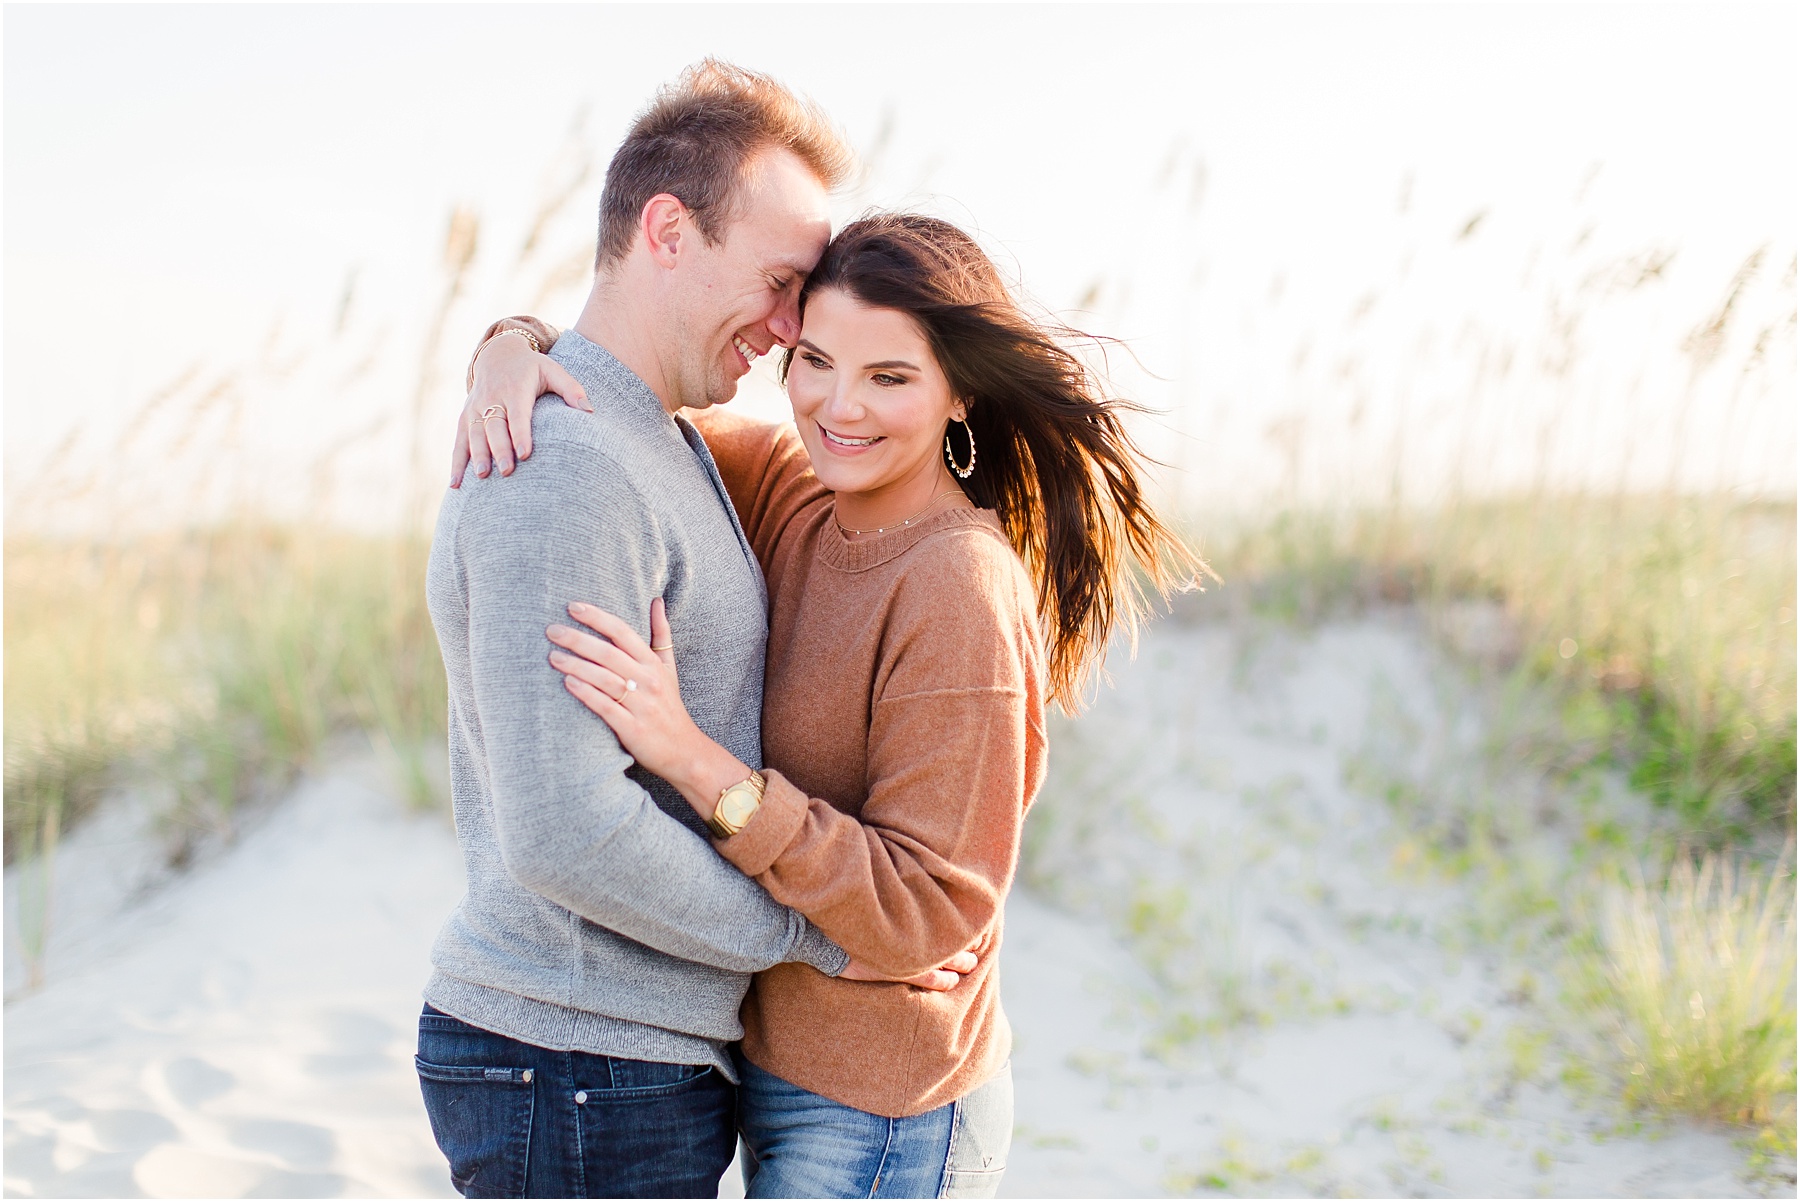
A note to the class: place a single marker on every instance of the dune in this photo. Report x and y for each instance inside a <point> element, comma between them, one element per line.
<point>245,1028</point>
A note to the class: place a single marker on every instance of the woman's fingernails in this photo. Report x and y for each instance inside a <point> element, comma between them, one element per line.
<point>556,630</point>
<point>579,607</point>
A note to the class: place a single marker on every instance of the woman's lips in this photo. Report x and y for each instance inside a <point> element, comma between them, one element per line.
<point>846,445</point>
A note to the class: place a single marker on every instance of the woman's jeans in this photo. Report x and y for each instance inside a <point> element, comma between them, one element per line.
<point>519,1121</point>
<point>800,1145</point>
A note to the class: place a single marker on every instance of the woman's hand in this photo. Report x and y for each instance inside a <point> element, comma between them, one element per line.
<point>509,378</point>
<point>633,688</point>
<point>941,979</point>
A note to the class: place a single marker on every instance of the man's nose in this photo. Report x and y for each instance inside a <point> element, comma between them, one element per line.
<point>784,324</point>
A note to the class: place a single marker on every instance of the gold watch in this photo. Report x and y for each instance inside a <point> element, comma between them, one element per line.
<point>737,806</point>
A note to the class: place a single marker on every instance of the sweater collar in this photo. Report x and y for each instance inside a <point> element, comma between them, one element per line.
<point>858,555</point>
<point>633,400</point>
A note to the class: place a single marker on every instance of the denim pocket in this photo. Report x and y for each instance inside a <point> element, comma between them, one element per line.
<point>629,1080</point>
<point>481,1118</point>
<point>980,1139</point>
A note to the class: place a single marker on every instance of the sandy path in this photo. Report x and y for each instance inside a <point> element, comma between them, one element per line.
<point>246,1029</point>
<point>1201,828</point>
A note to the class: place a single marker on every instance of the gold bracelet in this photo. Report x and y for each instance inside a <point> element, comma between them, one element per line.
<point>527,335</point>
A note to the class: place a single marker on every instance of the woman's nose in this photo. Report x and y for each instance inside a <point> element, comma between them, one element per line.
<point>843,406</point>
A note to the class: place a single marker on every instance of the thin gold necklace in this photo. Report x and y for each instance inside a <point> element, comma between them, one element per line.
<point>903,525</point>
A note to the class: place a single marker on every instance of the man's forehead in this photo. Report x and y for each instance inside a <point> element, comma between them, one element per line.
<point>788,201</point>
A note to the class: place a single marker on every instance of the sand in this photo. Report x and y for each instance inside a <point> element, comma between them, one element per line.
<point>244,1028</point>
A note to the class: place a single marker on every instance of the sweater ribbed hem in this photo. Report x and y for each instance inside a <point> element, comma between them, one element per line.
<point>563,1029</point>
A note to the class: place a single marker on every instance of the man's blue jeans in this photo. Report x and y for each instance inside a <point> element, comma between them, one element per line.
<point>800,1145</point>
<point>519,1121</point>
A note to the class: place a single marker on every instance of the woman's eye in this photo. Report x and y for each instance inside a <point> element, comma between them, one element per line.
<point>815,362</point>
<point>883,377</point>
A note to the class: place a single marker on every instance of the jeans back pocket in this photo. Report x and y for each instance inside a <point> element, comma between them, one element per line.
<point>980,1139</point>
<point>481,1118</point>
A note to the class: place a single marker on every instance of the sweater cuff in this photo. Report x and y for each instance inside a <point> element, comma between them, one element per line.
<point>820,952</point>
<point>770,830</point>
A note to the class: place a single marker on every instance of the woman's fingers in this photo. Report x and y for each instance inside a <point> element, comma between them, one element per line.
<point>602,678</point>
<point>662,641</point>
<point>479,457</point>
<point>609,711</point>
<point>595,650</point>
<point>614,628</point>
<point>496,435</point>
<point>564,385</point>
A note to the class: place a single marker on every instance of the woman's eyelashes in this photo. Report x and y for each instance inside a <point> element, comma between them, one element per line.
<point>886,379</point>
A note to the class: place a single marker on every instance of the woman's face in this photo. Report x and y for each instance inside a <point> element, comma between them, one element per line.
<point>869,398</point>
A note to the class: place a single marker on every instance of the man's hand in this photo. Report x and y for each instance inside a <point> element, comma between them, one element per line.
<point>942,979</point>
<point>509,378</point>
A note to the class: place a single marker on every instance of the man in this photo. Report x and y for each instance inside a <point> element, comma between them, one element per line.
<point>586,989</point>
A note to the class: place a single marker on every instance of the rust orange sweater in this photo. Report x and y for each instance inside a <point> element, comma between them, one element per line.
<point>903,739</point>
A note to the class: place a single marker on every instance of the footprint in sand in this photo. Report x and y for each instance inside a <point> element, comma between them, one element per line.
<point>193,1081</point>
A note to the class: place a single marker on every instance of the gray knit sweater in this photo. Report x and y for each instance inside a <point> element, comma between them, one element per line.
<point>598,918</point>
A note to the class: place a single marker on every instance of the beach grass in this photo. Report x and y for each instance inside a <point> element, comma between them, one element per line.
<point>1665,622</point>
<point>1694,975</point>
<point>214,661</point>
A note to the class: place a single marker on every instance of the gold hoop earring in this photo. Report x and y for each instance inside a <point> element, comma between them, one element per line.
<point>962,473</point>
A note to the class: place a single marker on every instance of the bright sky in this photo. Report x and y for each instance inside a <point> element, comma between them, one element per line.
<point>178,179</point>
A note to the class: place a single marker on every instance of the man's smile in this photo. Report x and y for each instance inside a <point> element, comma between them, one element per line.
<point>746,352</point>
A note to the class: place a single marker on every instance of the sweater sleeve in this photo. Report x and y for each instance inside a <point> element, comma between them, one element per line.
<point>766,472</point>
<point>956,752</point>
<point>570,824</point>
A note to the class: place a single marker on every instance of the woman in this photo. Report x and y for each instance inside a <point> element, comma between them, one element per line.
<point>953,478</point>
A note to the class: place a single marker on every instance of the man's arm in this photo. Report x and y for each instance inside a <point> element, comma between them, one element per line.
<point>571,825</point>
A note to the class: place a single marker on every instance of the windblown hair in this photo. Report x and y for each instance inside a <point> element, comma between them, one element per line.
<point>1053,459</point>
<point>696,141</point>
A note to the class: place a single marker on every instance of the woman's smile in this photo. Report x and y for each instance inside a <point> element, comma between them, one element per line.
<point>844,444</point>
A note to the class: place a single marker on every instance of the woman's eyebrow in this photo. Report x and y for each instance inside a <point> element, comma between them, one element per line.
<point>813,347</point>
<point>889,363</point>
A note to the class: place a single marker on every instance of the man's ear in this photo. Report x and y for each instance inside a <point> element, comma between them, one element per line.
<point>662,223</point>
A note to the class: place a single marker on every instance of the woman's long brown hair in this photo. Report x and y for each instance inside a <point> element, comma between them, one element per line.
<point>1052,458</point>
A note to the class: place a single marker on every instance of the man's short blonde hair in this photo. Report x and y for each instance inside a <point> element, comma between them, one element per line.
<point>696,140</point>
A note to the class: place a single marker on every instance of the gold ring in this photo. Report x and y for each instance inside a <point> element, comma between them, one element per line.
<point>491,412</point>
<point>664,647</point>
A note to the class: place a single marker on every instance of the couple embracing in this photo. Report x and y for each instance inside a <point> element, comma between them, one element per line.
<point>745,719</point>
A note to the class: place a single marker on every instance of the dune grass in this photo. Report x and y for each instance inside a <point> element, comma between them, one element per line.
<point>1695,978</point>
<point>1666,623</point>
<point>214,661</point>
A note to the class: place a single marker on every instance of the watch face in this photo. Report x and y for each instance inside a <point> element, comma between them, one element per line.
<point>740,803</point>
